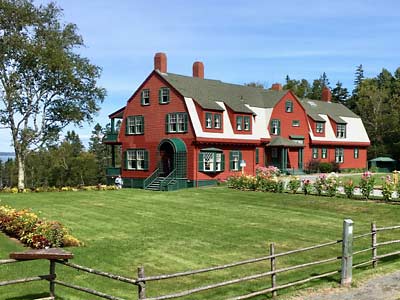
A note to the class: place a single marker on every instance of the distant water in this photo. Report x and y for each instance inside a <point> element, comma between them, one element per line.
<point>5,156</point>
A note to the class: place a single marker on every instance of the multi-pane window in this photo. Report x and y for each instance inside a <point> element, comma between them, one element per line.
<point>211,161</point>
<point>136,159</point>
<point>341,131</point>
<point>275,127</point>
<point>208,120</point>
<point>289,106</point>
<point>356,153</point>
<point>176,122</point>
<point>135,125</point>
<point>235,158</point>
<point>319,127</point>
<point>145,97</point>
<point>246,121</point>
<point>274,153</point>
<point>295,123</point>
<point>163,95</point>
<point>324,153</point>
<point>339,155</point>
<point>239,123</point>
<point>314,153</point>
<point>217,121</point>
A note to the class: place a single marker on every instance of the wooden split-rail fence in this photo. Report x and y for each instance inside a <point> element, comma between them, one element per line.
<point>346,258</point>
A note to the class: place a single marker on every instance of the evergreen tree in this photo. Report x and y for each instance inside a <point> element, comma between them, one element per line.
<point>99,150</point>
<point>340,94</point>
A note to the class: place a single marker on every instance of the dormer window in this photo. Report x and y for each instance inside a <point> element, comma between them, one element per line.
<point>145,97</point>
<point>163,95</point>
<point>341,131</point>
<point>217,121</point>
<point>208,120</point>
<point>289,106</point>
<point>246,125</point>
<point>239,123</point>
<point>319,127</point>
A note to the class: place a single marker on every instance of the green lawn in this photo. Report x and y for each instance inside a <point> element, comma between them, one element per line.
<point>189,229</point>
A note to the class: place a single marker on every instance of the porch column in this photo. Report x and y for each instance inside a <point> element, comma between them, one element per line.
<point>113,156</point>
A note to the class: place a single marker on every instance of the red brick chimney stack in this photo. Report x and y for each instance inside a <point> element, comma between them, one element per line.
<point>276,87</point>
<point>160,62</point>
<point>326,94</point>
<point>198,69</point>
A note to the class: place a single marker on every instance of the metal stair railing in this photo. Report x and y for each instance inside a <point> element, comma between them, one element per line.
<point>167,180</point>
<point>151,178</point>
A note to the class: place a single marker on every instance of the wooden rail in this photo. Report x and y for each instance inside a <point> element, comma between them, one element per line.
<point>141,280</point>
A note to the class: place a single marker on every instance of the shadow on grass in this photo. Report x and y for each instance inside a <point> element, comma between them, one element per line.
<point>33,297</point>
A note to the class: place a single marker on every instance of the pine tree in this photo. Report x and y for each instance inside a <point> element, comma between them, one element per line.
<point>340,94</point>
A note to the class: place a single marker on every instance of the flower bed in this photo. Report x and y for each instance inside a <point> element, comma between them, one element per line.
<point>33,231</point>
<point>99,187</point>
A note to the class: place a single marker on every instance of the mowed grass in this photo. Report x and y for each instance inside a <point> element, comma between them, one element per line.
<point>190,229</point>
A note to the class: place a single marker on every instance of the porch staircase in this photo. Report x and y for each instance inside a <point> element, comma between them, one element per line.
<point>155,185</point>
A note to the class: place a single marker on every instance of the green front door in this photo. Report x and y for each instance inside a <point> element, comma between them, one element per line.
<point>300,158</point>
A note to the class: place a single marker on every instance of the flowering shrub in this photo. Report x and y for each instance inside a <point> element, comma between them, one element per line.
<point>331,184</point>
<point>294,184</point>
<point>307,186</point>
<point>266,180</point>
<point>349,188</point>
<point>36,233</point>
<point>268,172</point>
<point>366,184</point>
<point>99,187</point>
<point>319,184</point>
<point>388,188</point>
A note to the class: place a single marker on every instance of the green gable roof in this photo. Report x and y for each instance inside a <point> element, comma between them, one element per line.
<point>334,110</point>
<point>207,91</point>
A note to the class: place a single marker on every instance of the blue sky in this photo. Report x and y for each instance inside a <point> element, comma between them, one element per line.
<point>238,41</point>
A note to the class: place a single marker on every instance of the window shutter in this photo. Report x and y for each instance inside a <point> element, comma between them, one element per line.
<point>142,97</point>
<point>160,96</point>
<point>126,126</point>
<point>146,160</point>
<point>201,160</point>
<point>231,160</point>
<point>279,127</point>
<point>166,123</point>
<point>240,156</point>
<point>222,162</point>
<point>257,156</point>
<point>125,156</point>
<point>185,124</point>
<point>142,117</point>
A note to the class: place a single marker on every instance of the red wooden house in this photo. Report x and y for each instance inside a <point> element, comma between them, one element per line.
<point>185,131</point>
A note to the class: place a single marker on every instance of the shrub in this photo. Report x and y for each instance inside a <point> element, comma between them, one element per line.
<point>349,188</point>
<point>367,184</point>
<point>331,184</point>
<point>313,166</point>
<point>294,184</point>
<point>388,188</point>
<point>307,186</point>
<point>325,167</point>
<point>29,229</point>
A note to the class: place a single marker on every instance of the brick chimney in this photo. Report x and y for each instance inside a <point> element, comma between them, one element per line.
<point>160,62</point>
<point>276,87</point>
<point>198,69</point>
<point>326,94</point>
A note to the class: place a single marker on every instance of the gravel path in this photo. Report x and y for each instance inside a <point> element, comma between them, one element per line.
<point>386,287</point>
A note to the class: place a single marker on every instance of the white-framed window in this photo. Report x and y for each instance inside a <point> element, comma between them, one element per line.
<point>176,122</point>
<point>163,95</point>
<point>319,127</point>
<point>239,123</point>
<point>146,97</point>
<point>136,159</point>
<point>275,127</point>
<point>235,160</point>
<point>341,131</point>
<point>208,120</point>
<point>324,153</point>
<point>295,123</point>
<point>289,106</point>
<point>135,125</point>
<point>339,155</point>
<point>246,125</point>
<point>217,121</point>
<point>356,153</point>
<point>314,153</point>
<point>211,160</point>
<point>274,152</point>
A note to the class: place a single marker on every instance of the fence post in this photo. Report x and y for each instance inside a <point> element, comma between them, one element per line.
<point>347,253</point>
<point>52,277</point>
<point>373,245</point>
<point>273,267</point>
<point>141,284</point>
